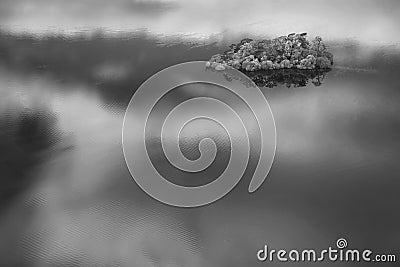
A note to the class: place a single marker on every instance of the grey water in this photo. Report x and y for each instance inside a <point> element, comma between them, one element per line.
<point>67,197</point>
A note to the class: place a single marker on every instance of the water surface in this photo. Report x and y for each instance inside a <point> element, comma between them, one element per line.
<point>69,199</point>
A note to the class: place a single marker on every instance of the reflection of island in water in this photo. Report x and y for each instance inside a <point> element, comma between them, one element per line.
<point>271,78</point>
<point>288,77</point>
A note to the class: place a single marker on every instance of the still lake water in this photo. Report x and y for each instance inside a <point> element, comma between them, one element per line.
<point>68,198</point>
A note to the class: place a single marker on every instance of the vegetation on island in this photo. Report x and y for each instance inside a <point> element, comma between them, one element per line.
<point>293,51</point>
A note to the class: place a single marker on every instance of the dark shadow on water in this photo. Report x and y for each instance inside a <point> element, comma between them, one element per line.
<point>25,140</point>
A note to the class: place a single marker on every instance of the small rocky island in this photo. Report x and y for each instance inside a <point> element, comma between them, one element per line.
<point>286,52</point>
